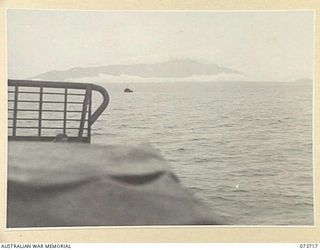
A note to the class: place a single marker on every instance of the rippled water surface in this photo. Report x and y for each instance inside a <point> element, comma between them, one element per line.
<point>244,149</point>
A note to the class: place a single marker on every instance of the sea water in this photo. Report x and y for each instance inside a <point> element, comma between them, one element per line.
<point>242,148</point>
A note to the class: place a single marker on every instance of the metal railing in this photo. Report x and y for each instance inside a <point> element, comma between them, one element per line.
<point>40,110</point>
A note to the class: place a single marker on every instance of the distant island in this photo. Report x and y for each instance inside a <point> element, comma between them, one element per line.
<point>174,70</point>
<point>169,69</point>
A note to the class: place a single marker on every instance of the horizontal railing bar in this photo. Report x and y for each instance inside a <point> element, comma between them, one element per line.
<point>24,119</point>
<point>26,127</point>
<point>35,110</point>
<point>27,119</point>
<point>79,94</point>
<point>23,127</point>
<point>33,101</point>
<point>54,102</point>
<point>47,138</point>
<point>75,102</point>
<point>24,92</point>
<point>47,84</point>
<point>69,111</point>
<point>47,110</point>
<point>46,119</point>
<point>61,102</point>
<point>68,120</point>
<point>55,93</point>
<point>46,93</point>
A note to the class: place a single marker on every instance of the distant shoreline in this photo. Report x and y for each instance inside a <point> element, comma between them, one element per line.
<point>300,81</point>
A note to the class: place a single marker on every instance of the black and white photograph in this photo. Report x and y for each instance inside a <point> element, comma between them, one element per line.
<point>159,118</point>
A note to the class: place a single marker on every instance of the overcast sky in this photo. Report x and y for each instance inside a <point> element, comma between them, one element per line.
<point>262,45</point>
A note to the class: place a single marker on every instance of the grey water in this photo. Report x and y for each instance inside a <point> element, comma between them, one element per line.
<point>242,148</point>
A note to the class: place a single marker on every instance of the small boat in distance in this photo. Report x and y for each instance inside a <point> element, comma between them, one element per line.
<point>127,90</point>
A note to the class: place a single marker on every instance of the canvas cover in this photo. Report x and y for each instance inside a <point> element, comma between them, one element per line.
<point>71,184</point>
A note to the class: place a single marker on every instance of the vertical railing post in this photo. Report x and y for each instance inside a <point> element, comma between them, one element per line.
<point>89,117</point>
<point>15,110</point>
<point>84,111</point>
<point>65,111</point>
<point>40,111</point>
